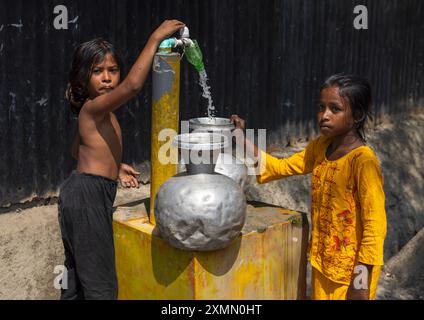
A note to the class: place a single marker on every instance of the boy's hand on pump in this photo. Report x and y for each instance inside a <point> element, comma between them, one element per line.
<point>167,28</point>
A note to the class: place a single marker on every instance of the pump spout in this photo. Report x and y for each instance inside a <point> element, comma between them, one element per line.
<point>171,43</point>
<point>185,40</point>
<point>191,48</point>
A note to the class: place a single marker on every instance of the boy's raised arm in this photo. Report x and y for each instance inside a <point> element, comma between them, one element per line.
<point>135,79</point>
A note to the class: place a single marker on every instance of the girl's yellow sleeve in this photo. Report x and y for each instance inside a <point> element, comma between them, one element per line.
<point>373,214</point>
<point>272,168</point>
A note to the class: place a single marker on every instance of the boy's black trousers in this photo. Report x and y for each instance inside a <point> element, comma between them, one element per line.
<point>85,219</point>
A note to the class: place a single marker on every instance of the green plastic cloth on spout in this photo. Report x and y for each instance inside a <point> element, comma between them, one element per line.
<point>194,56</point>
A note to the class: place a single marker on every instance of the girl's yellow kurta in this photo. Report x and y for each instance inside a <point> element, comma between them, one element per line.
<point>348,214</point>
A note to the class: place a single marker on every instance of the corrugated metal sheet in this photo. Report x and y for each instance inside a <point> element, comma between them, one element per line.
<point>265,60</point>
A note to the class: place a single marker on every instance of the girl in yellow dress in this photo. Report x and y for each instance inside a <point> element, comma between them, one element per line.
<point>347,212</point>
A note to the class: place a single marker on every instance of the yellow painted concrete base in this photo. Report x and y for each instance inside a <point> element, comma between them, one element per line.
<point>267,260</point>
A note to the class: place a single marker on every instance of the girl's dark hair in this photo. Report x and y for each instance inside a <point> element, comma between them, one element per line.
<point>86,56</point>
<point>357,91</point>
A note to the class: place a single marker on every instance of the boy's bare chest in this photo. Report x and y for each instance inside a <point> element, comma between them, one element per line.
<point>104,133</point>
<point>115,125</point>
<point>110,131</point>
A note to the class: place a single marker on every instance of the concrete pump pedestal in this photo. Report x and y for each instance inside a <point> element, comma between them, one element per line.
<point>267,260</point>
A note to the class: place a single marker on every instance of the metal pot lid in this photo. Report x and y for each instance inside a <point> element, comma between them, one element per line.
<point>213,123</point>
<point>200,141</point>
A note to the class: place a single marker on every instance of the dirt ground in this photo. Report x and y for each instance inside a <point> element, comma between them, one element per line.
<point>31,247</point>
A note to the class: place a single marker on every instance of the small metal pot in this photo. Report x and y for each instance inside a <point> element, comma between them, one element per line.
<point>227,163</point>
<point>213,125</point>
<point>199,151</point>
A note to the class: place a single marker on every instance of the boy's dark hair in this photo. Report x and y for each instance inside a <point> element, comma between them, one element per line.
<point>357,91</point>
<point>86,55</point>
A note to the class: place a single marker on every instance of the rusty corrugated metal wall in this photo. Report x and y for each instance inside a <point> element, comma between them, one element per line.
<point>265,60</point>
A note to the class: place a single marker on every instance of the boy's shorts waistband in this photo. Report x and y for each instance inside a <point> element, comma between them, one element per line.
<point>91,175</point>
